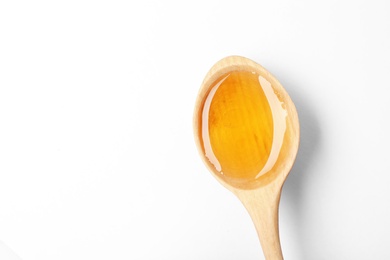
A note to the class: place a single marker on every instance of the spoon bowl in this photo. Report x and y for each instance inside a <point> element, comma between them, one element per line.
<point>247,132</point>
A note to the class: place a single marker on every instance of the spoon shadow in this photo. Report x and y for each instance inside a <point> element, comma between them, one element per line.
<point>302,172</point>
<point>6,253</point>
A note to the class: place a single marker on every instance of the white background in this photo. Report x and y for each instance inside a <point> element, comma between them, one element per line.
<point>97,158</point>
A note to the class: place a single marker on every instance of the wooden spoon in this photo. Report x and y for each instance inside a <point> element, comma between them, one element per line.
<point>247,132</point>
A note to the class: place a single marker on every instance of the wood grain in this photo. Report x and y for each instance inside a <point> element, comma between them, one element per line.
<point>261,195</point>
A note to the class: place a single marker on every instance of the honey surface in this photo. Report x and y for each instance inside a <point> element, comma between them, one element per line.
<point>237,125</point>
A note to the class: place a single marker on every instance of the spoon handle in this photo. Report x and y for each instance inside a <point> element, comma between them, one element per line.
<point>263,207</point>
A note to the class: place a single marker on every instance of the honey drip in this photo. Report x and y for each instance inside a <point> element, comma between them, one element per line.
<point>242,125</point>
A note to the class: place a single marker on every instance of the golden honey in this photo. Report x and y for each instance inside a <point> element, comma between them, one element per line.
<point>242,125</point>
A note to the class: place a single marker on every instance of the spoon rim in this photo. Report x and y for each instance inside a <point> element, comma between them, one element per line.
<point>239,63</point>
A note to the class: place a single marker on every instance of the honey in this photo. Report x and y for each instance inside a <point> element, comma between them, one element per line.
<point>242,125</point>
